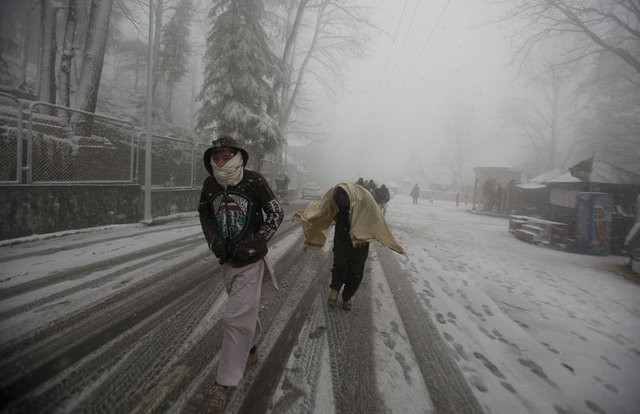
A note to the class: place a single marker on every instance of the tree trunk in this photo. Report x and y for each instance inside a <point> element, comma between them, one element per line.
<point>24,57</point>
<point>64,74</point>
<point>283,77</point>
<point>82,27</point>
<point>282,85</point>
<point>87,93</point>
<point>289,104</point>
<point>47,70</point>
<point>167,110</point>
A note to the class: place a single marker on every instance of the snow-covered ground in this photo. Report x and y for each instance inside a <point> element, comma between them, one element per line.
<point>532,329</point>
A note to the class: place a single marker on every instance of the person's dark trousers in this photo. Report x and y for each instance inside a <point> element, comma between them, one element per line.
<point>348,266</point>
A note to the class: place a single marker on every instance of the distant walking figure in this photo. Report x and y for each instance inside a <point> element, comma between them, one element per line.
<point>382,197</point>
<point>415,193</point>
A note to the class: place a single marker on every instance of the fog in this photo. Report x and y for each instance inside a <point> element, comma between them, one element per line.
<point>401,100</point>
<point>440,87</point>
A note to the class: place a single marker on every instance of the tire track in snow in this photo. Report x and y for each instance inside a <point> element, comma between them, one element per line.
<point>114,376</point>
<point>79,272</point>
<point>260,393</point>
<point>352,357</point>
<point>449,391</point>
<point>58,346</point>
<point>299,383</point>
<point>400,380</point>
<point>192,393</point>
<point>92,284</point>
<point>80,343</point>
<point>70,246</point>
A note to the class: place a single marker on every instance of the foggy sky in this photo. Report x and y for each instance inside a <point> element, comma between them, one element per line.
<point>383,116</point>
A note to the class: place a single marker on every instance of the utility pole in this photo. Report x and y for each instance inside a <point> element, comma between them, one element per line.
<point>148,219</point>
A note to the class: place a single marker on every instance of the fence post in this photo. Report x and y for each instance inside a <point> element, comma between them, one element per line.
<point>193,164</point>
<point>29,165</point>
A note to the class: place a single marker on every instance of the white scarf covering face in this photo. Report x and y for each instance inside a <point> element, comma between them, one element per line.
<point>231,173</point>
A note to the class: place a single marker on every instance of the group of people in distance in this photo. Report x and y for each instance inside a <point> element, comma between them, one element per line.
<point>380,194</point>
<point>239,214</point>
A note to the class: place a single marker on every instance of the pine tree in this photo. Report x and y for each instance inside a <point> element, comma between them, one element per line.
<point>239,68</point>
<point>176,47</point>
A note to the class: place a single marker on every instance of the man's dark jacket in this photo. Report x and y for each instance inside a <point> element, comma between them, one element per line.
<point>238,221</point>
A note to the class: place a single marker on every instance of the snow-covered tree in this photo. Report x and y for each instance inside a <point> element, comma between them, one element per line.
<point>176,47</point>
<point>239,67</point>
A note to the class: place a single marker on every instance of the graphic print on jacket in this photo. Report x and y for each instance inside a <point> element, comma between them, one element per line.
<point>232,211</point>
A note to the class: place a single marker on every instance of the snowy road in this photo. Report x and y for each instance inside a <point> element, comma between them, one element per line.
<point>127,319</point>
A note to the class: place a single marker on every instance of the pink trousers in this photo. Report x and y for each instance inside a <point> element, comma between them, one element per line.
<point>241,325</point>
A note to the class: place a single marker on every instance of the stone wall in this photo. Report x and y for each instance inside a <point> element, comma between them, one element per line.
<point>36,209</point>
<point>167,201</point>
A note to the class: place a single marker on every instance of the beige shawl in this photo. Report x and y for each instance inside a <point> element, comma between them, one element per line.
<point>365,216</point>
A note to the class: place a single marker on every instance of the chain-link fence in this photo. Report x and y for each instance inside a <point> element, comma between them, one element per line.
<point>11,139</point>
<point>174,161</point>
<point>71,146</point>
<point>53,144</point>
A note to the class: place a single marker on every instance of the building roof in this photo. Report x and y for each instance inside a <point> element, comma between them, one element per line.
<point>605,173</point>
<point>564,178</point>
<point>600,172</point>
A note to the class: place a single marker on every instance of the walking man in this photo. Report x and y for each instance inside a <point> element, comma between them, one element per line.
<point>382,197</point>
<point>358,220</point>
<point>239,213</point>
<point>415,193</point>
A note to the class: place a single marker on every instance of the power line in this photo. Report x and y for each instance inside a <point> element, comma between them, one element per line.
<point>395,34</point>
<point>372,102</point>
<point>415,10</point>
<point>424,45</point>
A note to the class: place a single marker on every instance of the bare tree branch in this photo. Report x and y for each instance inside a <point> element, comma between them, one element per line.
<point>606,26</point>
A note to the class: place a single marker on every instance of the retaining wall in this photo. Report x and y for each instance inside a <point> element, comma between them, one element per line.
<point>37,209</point>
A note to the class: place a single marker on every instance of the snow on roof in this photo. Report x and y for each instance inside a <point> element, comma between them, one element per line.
<point>564,178</point>
<point>530,186</point>
<point>498,166</point>
<point>543,178</point>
